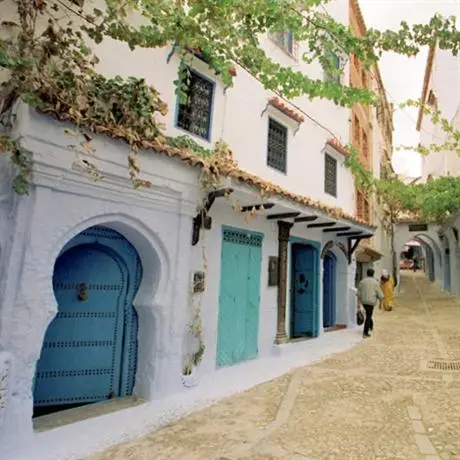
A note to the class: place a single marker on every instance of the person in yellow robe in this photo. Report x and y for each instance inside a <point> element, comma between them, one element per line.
<point>387,285</point>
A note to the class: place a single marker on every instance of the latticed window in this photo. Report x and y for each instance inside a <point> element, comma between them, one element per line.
<point>195,115</point>
<point>285,40</point>
<point>277,145</point>
<point>330,176</point>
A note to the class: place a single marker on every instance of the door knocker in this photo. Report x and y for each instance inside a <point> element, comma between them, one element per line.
<point>302,284</point>
<point>83,292</point>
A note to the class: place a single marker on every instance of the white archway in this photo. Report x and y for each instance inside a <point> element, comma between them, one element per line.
<point>153,322</point>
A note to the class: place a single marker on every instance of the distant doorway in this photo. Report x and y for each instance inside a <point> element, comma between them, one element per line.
<point>304,282</point>
<point>329,290</point>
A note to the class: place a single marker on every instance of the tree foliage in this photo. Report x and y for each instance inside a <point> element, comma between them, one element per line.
<point>53,68</point>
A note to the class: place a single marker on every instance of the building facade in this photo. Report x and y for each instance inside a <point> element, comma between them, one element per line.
<point>372,135</point>
<point>100,281</point>
<point>441,93</point>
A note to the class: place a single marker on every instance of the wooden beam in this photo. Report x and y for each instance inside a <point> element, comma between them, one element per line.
<point>216,194</point>
<point>257,206</point>
<point>324,224</point>
<point>286,215</point>
<point>306,219</point>
<point>336,229</point>
<point>351,234</point>
<point>352,248</point>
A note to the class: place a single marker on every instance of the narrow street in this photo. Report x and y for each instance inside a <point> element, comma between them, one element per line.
<point>381,400</point>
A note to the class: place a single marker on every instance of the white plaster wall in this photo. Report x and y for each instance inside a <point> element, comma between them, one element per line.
<point>63,203</point>
<point>446,75</point>
<point>454,251</point>
<point>211,244</point>
<point>444,83</point>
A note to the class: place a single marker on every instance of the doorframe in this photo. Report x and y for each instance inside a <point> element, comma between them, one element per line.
<point>133,272</point>
<point>447,270</point>
<point>334,294</point>
<point>291,298</point>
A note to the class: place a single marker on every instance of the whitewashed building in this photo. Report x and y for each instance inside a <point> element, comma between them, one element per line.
<point>440,243</point>
<point>440,91</point>
<point>99,281</point>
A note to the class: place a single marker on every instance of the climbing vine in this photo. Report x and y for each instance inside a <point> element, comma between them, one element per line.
<point>50,66</point>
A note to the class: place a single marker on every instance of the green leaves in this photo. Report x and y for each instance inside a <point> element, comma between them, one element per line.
<point>22,160</point>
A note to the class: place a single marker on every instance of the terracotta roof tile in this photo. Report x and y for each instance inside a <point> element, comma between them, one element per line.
<point>257,182</point>
<point>291,113</point>
<point>228,169</point>
<point>337,145</point>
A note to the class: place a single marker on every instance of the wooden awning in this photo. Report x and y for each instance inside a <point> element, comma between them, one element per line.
<point>367,254</point>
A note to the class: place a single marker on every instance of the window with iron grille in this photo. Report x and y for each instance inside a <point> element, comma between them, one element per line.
<point>277,145</point>
<point>334,61</point>
<point>285,40</point>
<point>330,175</point>
<point>195,115</point>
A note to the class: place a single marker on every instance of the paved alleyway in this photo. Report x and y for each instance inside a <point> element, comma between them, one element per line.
<point>377,401</point>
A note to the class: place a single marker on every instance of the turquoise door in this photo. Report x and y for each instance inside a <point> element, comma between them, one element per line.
<point>329,290</point>
<point>90,347</point>
<point>238,322</point>
<point>304,291</point>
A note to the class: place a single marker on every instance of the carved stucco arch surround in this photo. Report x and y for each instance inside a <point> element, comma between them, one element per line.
<point>36,299</point>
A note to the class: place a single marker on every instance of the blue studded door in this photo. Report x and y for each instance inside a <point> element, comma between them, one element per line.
<point>304,316</point>
<point>329,290</point>
<point>90,348</point>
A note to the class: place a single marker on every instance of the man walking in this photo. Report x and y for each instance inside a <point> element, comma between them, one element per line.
<point>369,293</point>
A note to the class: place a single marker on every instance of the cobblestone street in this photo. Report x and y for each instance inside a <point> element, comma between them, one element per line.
<point>384,399</point>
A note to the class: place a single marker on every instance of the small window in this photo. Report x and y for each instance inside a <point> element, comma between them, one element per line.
<point>365,145</point>
<point>195,115</point>
<point>335,64</point>
<point>356,132</point>
<point>364,78</point>
<point>277,145</point>
<point>330,175</point>
<point>432,100</point>
<point>285,40</point>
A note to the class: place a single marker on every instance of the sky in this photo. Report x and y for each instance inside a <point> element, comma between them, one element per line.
<point>402,76</point>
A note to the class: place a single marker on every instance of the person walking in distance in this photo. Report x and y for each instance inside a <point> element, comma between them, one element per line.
<point>369,293</point>
<point>387,286</point>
